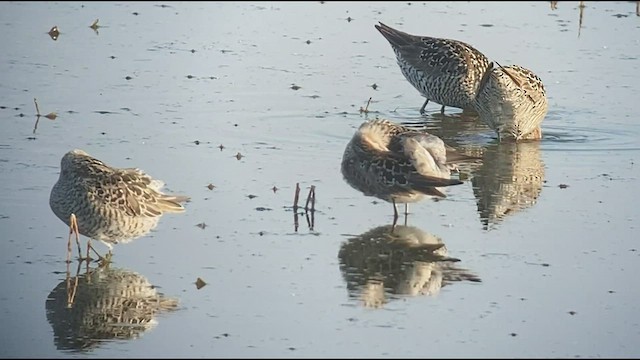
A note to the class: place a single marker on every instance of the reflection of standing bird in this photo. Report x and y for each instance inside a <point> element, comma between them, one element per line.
<point>104,304</point>
<point>111,205</point>
<point>513,102</point>
<point>509,180</point>
<point>384,263</point>
<point>445,71</point>
<point>397,164</point>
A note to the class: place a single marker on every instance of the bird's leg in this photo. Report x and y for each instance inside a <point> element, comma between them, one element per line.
<point>100,257</point>
<point>424,106</point>
<point>395,215</point>
<point>73,229</point>
<point>406,212</point>
<point>442,110</point>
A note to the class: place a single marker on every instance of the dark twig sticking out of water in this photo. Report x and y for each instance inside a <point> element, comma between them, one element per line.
<point>50,116</point>
<point>311,199</point>
<point>366,109</point>
<point>35,127</point>
<point>295,207</point>
<point>581,6</point>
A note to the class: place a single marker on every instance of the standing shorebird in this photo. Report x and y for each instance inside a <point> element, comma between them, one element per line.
<point>512,101</point>
<point>398,164</point>
<point>445,71</point>
<point>108,204</point>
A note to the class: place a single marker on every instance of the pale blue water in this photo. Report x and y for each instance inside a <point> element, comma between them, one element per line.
<point>549,271</point>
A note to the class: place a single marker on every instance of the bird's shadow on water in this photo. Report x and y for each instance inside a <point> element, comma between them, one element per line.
<point>101,304</point>
<point>387,263</point>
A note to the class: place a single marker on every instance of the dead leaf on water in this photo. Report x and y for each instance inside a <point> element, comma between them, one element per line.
<point>51,116</point>
<point>202,225</point>
<point>200,283</point>
<point>54,33</point>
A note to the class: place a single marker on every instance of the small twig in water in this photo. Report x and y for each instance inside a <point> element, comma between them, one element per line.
<point>37,108</point>
<point>366,109</point>
<point>295,208</point>
<point>311,191</point>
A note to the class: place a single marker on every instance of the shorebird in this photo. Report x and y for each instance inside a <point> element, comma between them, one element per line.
<point>444,71</point>
<point>512,101</point>
<point>398,164</point>
<point>108,204</point>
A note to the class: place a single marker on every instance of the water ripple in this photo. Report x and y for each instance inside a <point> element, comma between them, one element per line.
<point>577,138</point>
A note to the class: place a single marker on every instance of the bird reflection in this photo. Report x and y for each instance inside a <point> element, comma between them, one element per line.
<point>509,179</point>
<point>386,262</point>
<point>103,304</point>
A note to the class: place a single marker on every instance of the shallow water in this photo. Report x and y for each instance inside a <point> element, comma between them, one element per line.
<point>541,239</point>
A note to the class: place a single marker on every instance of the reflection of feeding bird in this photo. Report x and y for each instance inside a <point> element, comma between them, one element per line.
<point>512,101</point>
<point>106,304</point>
<point>445,71</point>
<point>108,204</point>
<point>510,179</point>
<point>397,261</point>
<point>397,164</point>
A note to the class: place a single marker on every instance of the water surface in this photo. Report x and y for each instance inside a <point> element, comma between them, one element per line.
<point>541,239</point>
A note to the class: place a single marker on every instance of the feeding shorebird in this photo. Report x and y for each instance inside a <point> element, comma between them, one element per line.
<point>108,204</point>
<point>444,71</point>
<point>398,164</point>
<point>513,102</point>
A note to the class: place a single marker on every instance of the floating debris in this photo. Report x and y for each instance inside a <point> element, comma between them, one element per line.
<point>54,33</point>
<point>563,186</point>
<point>311,198</point>
<point>295,87</point>
<point>251,196</point>
<point>274,189</point>
<point>50,116</point>
<point>366,109</point>
<point>211,186</point>
<point>202,225</point>
<point>221,147</point>
<point>200,283</point>
<point>239,156</point>
<point>95,26</point>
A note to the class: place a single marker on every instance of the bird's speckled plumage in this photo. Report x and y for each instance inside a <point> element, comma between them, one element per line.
<point>111,205</point>
<point>395,163</point>
<point>513,102</point>
<point>445,71</point>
